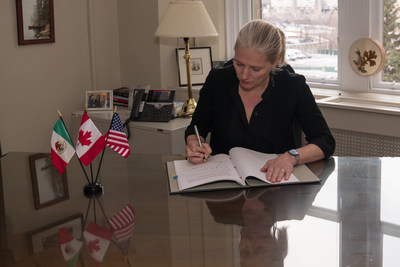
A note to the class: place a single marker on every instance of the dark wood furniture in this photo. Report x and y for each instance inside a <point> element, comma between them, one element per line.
<point>350,219</point>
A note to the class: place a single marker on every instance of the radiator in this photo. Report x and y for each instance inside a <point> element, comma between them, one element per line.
<point>357,144</point>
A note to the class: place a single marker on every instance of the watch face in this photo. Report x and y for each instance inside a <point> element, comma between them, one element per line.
<point>293,152</point>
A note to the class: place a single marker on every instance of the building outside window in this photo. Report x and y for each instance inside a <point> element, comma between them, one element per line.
<point>311,29</point>
<point>320,32</point>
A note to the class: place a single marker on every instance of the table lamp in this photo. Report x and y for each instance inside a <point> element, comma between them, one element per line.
<point>185,19</point>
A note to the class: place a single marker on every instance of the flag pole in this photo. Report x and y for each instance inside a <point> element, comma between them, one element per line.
<point>102,154</point>
<point>83,168</point>
<point>127,260</point>
<point>87,213</point>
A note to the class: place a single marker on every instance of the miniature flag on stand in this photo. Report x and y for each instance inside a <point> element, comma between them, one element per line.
<point>90,141</point>
<point>70,247</point>
<point>62,149</point>
<point>122,224</point>
<point>97,239</point>
<point>116,138</point>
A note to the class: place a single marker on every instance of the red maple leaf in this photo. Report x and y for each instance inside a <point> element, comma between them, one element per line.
<point>84,138</point>
<point>93,245</point>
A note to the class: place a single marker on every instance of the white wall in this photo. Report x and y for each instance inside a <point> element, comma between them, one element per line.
<point>140,54</point>
<point>37,80</point>
<point>100,44</point>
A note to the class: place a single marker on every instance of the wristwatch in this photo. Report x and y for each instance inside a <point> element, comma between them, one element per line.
<point>296,154</point>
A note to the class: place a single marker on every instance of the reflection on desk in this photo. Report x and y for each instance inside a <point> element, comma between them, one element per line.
<point>351,219</point>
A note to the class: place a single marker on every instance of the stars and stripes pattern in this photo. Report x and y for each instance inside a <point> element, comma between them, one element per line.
<point>116,138</point>
<point>122,225</point>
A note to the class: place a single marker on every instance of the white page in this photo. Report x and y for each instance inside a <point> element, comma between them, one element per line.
<point>249,162</point>
<point>217,168</point>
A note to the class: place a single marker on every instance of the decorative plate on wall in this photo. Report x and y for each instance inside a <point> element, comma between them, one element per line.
<point>367,56</point>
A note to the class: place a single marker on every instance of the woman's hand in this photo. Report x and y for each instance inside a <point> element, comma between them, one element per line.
<point>194,153</point>
<point>279,168</point>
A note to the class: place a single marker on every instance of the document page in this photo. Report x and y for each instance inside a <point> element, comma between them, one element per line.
<point>249,162</point>
<point>217,168</point>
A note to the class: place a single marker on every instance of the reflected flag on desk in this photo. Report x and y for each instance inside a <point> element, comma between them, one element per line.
<point>90,141</point>
<point>70,247</point>
<point>62,149</point>
<point>97,240</point>
<point>122,224</point>
<point>116,137</point>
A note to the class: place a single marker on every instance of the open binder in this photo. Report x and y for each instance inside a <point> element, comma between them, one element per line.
<point>248,159</point>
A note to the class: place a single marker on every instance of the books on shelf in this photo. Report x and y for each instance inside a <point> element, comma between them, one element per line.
<point>239,169</point>
<point>121,96</point>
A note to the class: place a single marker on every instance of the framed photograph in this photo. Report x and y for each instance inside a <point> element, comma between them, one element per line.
<point>99,100</point>
<point>47,236</point>
<point>35,21</point>
<point>49,187</point>
<point>200,62</point>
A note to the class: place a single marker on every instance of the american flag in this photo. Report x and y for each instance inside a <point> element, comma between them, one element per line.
<point>122,224</point>
<point>116,139</point>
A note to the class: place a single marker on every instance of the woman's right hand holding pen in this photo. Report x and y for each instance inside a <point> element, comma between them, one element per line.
<point>195,153</point>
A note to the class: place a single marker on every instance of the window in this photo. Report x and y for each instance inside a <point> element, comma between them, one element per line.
<point>389,34</point>
<point>320,33</point>
<point>311,34</point>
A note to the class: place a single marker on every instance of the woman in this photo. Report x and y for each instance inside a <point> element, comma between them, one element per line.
<point>254,104</point>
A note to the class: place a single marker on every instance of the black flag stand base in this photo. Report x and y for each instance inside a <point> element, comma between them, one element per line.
<point>93,190</point>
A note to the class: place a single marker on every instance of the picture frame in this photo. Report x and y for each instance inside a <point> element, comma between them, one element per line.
<point>35,22</point>
<point>49,187</point>
<point>201,63</point>
<point>47,236</point>
<point>99,100</point>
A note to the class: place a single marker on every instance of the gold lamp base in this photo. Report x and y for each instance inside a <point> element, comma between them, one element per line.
<point>188,108</point>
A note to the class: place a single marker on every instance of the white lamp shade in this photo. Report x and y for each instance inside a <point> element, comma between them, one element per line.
<point>186,19</point>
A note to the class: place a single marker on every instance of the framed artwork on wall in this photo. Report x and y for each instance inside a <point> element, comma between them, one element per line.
<point>200,62</point>
<point>35,21</point>
<point>49,187</point>
<point>99,100</point>
<point>367,56</point>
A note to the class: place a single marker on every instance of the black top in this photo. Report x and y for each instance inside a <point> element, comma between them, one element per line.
<point>287,99</point>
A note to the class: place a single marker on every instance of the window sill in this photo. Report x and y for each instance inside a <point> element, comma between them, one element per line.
<point>339,99</point>
<point>359,101</point>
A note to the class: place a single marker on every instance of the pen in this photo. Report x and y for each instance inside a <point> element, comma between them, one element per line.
<point>198,139</point>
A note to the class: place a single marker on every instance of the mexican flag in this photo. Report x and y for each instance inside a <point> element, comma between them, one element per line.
<point>70,247</point>
<point>62,148</point>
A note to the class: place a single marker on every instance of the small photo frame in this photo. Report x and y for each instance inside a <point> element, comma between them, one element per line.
<point>47,236</point>
<point>99,100</point>
<point>49,187</point>
<point>35,22</point>
<point>200,61</point>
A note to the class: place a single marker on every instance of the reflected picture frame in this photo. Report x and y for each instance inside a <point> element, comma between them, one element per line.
<point>99,100</point>
<point>200,61</point>
<point>35,22</point>
<point>47,235</point>
<point>49,187</point>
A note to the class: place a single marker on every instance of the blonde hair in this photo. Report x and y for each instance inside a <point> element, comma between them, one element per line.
<point>261,36</point>
<point>282,55</point>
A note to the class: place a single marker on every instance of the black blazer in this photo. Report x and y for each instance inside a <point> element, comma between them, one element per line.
<point>287,99</point>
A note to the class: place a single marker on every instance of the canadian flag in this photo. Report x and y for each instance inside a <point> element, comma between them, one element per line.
<point>97,239</point>
<point>90,141</point>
